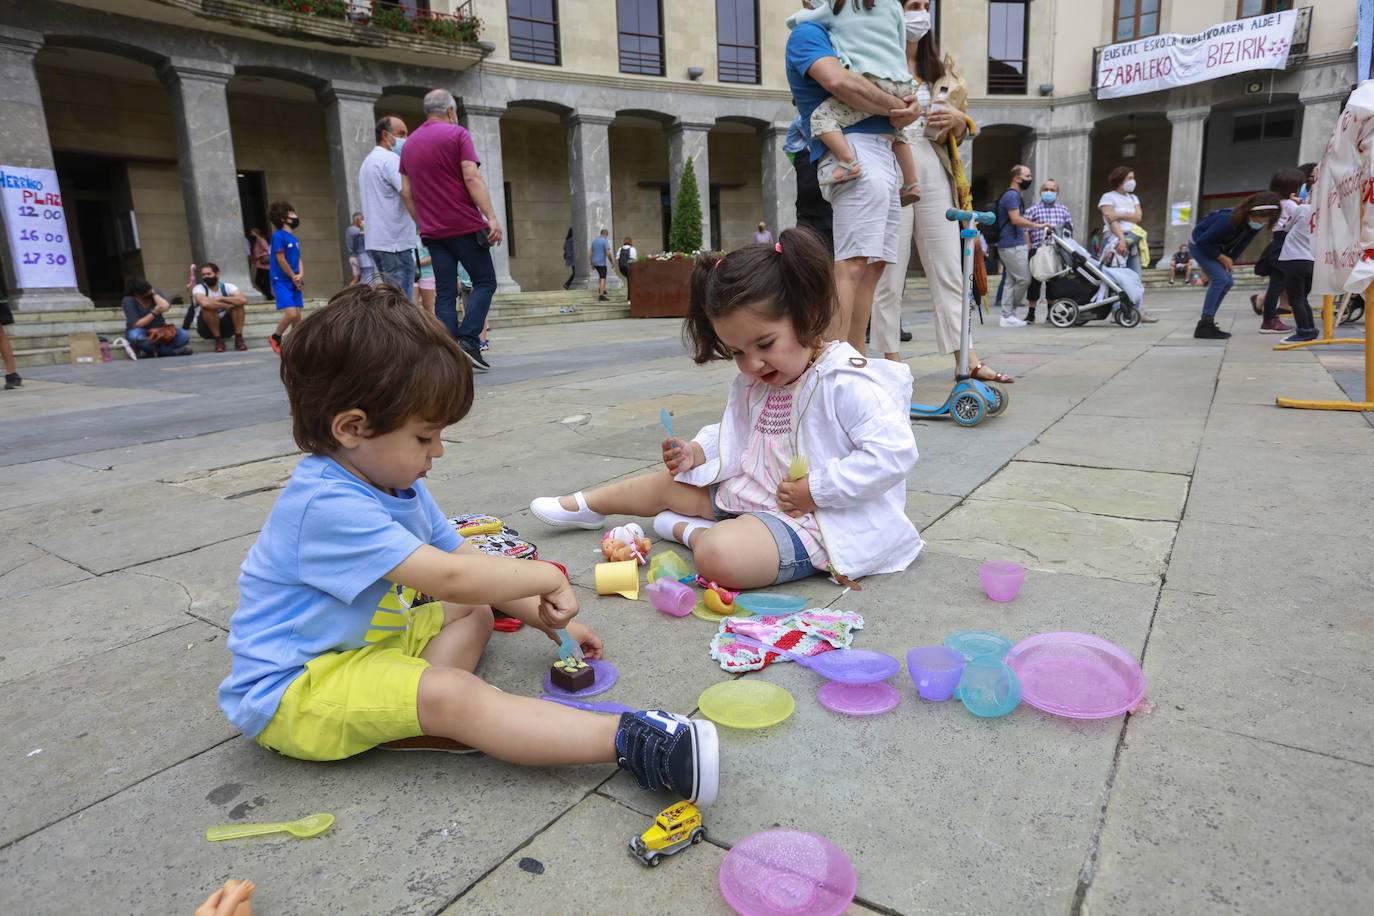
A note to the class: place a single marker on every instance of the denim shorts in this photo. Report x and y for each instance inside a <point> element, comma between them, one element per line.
<point>793,561</point>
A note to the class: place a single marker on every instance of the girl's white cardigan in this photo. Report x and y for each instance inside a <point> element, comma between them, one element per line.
<point>854,427</point>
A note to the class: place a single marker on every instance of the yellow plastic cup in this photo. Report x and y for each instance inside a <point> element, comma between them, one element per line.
<point>620,578</point>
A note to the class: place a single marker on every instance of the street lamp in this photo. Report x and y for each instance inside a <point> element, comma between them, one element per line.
<point>1128,144</point>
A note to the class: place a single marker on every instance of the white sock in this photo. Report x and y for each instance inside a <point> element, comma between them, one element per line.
<point>666,521</point>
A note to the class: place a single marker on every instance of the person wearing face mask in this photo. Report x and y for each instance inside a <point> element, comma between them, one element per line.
<point>1217,241</point>
<point>1120,212</point>
<point>1048,212</point>
<point>387,214</point>
<point>1011,245</point>
<point>215,303</point>
<point>288,279</point>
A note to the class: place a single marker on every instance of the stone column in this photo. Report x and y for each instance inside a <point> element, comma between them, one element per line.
<point>484,123</point>
<point>1064,154</point>
<point>589,181</point>
<point>350,125</point>
<point>687,140</point>
<point>779,181</point>
<point>24,144</point>
<point>205,153</point>
<point>1319,116</point>
<point>1185,171</point>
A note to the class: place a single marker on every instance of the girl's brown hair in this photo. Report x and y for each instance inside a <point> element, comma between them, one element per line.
<point>793,279</point>
<point>373,349</point>
<point>1242,211</point>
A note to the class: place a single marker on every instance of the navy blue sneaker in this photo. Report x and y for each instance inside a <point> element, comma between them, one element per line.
<point>1301,336</point>
<point>666,751</point>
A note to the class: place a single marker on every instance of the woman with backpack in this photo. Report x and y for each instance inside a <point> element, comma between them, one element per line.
<point>1217,241</point>
<point>625,257</point>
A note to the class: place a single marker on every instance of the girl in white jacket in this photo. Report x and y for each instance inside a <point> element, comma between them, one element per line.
<point>727,494</point>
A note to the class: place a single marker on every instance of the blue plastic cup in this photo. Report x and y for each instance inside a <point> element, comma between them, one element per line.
<point>988,688</point>
<point>935,670</point>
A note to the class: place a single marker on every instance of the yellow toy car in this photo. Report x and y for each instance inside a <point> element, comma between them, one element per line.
<point>675,827</point>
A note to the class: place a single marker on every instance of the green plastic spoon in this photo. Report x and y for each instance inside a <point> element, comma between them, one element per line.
<point>306,826</point>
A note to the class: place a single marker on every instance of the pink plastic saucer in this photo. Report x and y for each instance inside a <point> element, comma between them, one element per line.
<point>858,699</point>
<point>1076,675</point>
<point>787,871</point>
<point>606,676</point>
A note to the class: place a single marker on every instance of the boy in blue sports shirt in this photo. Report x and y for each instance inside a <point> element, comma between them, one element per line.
<point>287,277</point>
<point>337,647</point>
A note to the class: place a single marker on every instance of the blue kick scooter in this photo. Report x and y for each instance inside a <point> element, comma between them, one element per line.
<point>971,399</point>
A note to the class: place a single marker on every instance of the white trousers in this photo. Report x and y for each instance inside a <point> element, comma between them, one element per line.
<point>937,242</point>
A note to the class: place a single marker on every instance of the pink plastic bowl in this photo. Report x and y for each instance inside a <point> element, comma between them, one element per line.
<point>1077,675</point>
<point>787,871</point>
<point>1002,580</point>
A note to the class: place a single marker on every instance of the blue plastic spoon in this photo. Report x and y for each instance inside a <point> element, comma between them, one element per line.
<point>667,420</point>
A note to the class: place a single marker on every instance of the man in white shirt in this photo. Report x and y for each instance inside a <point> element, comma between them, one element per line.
<point>390,218</point>
<point>213,299</point>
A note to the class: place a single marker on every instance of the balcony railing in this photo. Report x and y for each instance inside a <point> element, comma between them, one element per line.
<point>1297,53</point>
<point>413,17</point>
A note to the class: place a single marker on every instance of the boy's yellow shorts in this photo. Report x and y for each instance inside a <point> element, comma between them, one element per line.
<point>345,703</point>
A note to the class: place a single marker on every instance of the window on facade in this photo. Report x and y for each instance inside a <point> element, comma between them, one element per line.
<point>534,31</point>
<point>1008,21</point>
<point>641,36</point>
<point>737,40</point>
<point>1260,7</point>
<point>1136,19</point>
<point>1265,125</point>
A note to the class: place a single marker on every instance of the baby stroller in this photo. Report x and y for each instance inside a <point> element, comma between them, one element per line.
<point>1086,290</point>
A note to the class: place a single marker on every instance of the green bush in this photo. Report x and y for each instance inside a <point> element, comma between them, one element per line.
<point>684,234</point>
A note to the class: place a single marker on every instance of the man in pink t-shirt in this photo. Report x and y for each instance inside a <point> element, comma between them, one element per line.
<point>439,175</point>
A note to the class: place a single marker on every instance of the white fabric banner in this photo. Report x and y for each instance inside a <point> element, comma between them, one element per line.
<point>1162,61</point>
<point>1343,202</point>
<point>37,227</point>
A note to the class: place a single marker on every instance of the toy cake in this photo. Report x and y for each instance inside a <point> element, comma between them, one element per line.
<point>572,675</point>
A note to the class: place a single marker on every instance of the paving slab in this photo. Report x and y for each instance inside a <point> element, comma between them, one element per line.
<point>506,483</point>
<point>24,569</point>
<point>92,532</point>
<point>53,479</point>
<point>78,402</point>
<point>1103,491</point>
<point>411,831</point>
<point>1258,669</point>
<point>1262,384</point>
<point>1202,821</point>
<point>208,577</point>
<point>1318,432</point>
<point>240,479</point>
<point>1253,486</point>
<point>1164,444</point>
<point>1006,807</point>
<point>1149,397</point>
<point>92,730</point>
<point>955,460</point>
<point>1050,539</point>
<point>57,626</point>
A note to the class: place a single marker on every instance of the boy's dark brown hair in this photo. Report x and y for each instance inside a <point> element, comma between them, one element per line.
<point>276,212</point>
<point>373,349</point>
<point>794,279</point>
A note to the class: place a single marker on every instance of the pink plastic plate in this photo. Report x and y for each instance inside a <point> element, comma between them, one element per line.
<point>1076,675</point>
<point>858,699</point>
<point>606,676</point>
<point>787,871</point>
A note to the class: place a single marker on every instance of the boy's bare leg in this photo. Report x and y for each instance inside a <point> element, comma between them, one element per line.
<point>463,637</point>
<point>457,704</point>
<point>645,496</point>
<point>837,144</point>
<point>737,552</point>
<point>906,161</point>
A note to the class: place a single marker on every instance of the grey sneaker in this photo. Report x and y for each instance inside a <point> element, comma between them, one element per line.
<point>1147,317</point>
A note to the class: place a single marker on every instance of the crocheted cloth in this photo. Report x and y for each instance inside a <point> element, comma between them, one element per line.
<point>808,632</point>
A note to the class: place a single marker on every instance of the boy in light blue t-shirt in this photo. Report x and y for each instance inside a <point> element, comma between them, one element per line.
<point>337,646</point>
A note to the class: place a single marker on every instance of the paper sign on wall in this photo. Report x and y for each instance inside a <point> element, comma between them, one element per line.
<point>1181,213</point>
<point>1162,61</point>
<point>37,227</point>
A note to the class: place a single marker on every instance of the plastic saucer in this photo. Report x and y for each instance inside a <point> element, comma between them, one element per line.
<point>606,675</point>
<point>1077,675</point>
<point>974,643</point>
<point>858,699</point>
<point>702,611</point>
<point>787,871</point>
<point>746,703</point>
<point>770,603</point>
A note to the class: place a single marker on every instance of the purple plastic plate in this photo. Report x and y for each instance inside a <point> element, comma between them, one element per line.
<point>858,699</point>
<point>1076,675</point>
<point>787,871</point>
<point>606,675</point>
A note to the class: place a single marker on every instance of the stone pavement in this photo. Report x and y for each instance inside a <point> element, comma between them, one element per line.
<point>1158,497</point>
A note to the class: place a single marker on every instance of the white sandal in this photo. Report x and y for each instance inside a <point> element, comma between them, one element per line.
<point>848,172</point>
<point>551,512</point>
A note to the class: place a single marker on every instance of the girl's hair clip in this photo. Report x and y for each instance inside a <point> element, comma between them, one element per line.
<point>777,246</point>
<point>717,264</point>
